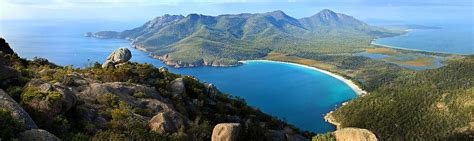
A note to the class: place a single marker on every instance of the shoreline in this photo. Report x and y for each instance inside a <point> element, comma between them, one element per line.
<point>413,50</point>
<point>348,82</point>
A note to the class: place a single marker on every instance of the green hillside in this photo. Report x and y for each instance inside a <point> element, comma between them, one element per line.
<point>223,40</point>
<point>428,105</point>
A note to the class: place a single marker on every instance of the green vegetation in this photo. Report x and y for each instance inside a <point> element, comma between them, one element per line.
<point>34,94</point>
<point>433,104</point>
<point>121,119</point>
<point>402,105</point>
<point>10,126</point>
<point>197,40</point>
<point>324,137</point>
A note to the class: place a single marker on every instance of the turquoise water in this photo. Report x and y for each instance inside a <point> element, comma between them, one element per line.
<point>451,38</point>
<point>296,94</point>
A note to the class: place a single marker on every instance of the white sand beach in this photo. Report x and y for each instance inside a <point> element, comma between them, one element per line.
<point>348,82</point>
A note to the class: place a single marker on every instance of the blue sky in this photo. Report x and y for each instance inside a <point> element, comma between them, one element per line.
<point>141,10</point>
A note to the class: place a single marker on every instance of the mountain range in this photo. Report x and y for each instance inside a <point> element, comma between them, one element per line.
<point>196,40</point>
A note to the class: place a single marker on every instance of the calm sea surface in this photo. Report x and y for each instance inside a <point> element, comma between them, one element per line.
<point>296,94</point>
<point>457,38</point>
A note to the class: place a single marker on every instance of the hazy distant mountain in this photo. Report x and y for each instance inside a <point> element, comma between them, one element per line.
<point>223,40</point>
<point>329,18</point>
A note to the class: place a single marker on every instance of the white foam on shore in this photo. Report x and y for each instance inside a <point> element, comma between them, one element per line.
<point>348,82</point>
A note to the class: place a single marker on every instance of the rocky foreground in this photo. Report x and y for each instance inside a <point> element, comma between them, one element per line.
<point>121,100</point>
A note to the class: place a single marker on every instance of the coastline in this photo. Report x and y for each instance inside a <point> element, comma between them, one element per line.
<point>328,117</point>
<point>373,42</point>
<point>348,82</point>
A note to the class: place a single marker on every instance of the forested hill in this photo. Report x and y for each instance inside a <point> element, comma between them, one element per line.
<point>434,104</point>
<point>194,40</point>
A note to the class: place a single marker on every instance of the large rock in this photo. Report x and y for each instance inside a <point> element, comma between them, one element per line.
<point>211,91</point>
<point>48,106</point>
<point>275,135</point>
<point>354,134</point>
<point>117,57</point>
<point>163,69</point>
<point>167,122</point>
<point>4,47</point>
<point>124,91</point>
<point>177,86</point>
<point>17,111</point>
<point>287,134</point>
<point>38,135</point>
<point>296,137</point>
<point>6,73</point>
<point>226,132</point>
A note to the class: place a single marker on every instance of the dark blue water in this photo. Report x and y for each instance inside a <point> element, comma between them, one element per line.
<point>451,38</point>
<point>296,94</point>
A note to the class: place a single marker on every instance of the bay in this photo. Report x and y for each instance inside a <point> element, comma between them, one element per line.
<point>298,95</point>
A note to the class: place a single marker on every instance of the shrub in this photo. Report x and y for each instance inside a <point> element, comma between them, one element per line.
<point>14,91</point>
<point>324,137</point>
<point>32,93</point>
<point>9,125</point>
<point>119,119</point>
<point>109,135</point>
<point>108,99</point>
<point>140,95</point>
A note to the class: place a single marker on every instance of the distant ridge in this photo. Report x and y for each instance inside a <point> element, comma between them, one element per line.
<point>329,18</point>
<point>196,40</point>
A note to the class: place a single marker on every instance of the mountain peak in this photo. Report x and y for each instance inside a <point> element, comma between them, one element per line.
<point>327,17</point>
<point>277,14</point>
<point>277,11</point>
<point>327,11</point>
<point>327,14</point>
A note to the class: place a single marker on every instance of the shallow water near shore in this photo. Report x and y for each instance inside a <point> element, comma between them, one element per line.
<point>298,95</point>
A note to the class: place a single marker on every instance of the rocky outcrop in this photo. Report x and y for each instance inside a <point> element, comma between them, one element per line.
<point>163,69</point>
<point>124,91</point>
<point>17,111</point>
<point>6,73</point>
<point>275,135</point>
<point>5,48</point>
<point>167,122</point>
<point>177,86</point>
<point>330,119</point>
<point>48,105</point>
<point>117,57</point>
<point>354,134</point>
<point>295,137</point>
<point>225,132</point>
<point>38,135</point>
<point>211,90</point>
<point>287,134</point>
